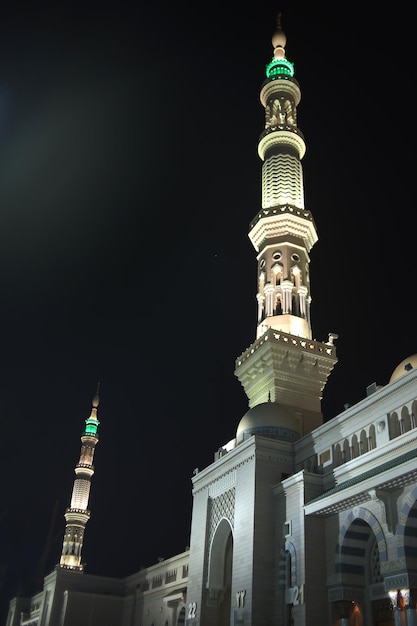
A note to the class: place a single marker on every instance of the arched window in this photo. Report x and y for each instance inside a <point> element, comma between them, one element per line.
<point>346,451</point>
<point>355,447</point>
<point>363,446</point>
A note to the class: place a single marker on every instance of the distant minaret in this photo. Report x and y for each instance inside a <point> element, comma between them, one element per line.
<point>77,515</point>
<point>284,364</point>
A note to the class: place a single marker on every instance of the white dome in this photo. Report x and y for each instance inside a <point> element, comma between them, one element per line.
<point>269,419</point>
<point>403,367</point>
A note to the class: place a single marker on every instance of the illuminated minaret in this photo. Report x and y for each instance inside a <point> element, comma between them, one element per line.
<point>77,515</point>
<point>285,364</point>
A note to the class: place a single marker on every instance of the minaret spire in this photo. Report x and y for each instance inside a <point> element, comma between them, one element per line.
<point>77,514</point>
<point>279,40</point>
<point>284,364</point>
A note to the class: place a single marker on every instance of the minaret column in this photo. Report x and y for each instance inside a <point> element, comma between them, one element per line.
<point>302,295</point>
<point>284,362</point>
<point>261,303</point>
<point>269,300</point>
<point>287,286</point>
<point>77,514</point>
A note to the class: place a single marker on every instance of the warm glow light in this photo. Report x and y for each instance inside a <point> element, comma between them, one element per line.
<point>393,597</point>
<point>405,597</point>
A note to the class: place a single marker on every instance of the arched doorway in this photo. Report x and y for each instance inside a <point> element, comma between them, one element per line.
<point>365,600</point>
<point>219,579</point>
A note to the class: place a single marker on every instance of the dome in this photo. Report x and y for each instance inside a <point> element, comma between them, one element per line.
<point>269,419</point>
<point>404,367</point>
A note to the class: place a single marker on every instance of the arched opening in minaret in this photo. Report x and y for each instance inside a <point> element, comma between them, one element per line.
<point>278,305</point>
<point>276,274</point>
<point>295,309</point>
<point>296,276</point>
<point>219,581</point>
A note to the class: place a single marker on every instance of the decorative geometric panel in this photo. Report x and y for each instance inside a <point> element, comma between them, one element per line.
<point>223,506</point>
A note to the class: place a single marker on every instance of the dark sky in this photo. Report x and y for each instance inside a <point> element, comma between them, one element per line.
<point>128,177</point>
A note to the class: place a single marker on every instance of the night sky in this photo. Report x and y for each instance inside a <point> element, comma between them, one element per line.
<point>129,175</point>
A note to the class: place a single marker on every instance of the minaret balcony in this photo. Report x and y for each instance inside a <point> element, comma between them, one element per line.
<point>84,469</point>
<point>287,369</point>
<point>74,568</point>
<point>77,516</point>
<point>311,347</point>
<point>76,510</point>
<point>279,84</point>
<point>282,221</point>
<point>89,439</point>
<point>281,135</point>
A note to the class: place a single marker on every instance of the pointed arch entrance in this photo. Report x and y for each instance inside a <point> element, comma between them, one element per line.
<point>219,577</point>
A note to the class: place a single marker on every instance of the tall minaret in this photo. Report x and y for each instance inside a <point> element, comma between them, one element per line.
<point>77,515</point>
<point>285,364</point>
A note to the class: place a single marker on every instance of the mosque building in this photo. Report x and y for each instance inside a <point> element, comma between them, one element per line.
<point>296,522</point>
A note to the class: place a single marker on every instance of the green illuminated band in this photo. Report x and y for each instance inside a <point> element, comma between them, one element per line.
<point>280,66</point>
<point>91,426</point>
